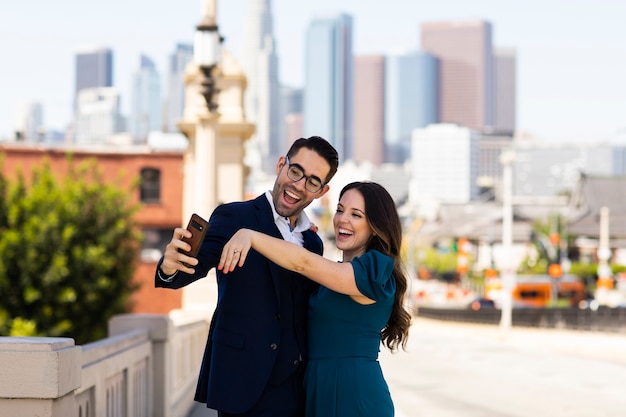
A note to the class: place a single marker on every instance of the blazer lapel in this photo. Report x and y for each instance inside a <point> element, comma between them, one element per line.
<point>265,217</point>
<point>311,243</point>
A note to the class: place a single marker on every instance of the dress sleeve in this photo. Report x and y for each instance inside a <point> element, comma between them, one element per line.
<point>372,272</point>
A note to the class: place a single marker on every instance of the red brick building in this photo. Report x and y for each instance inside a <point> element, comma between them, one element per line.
<point>160,195</point>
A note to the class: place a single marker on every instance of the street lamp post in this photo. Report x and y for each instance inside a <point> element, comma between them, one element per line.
<point>200,163</point>
<point>605,278</point>
<point>508,270</point>
<point>214,122</point>
<point>206,51</point>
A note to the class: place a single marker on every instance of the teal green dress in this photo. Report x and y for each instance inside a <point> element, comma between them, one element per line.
<point>343,376</point>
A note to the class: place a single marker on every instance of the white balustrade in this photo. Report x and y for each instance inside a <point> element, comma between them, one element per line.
<point>147,367</point>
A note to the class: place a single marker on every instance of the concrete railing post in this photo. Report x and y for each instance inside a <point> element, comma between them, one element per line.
<point>160,330</point>
<point>38,376</point>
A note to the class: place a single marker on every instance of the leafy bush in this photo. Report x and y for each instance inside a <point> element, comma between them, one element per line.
<point>67,253</point>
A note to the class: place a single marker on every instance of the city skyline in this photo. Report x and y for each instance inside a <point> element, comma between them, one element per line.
<point>570,59</point>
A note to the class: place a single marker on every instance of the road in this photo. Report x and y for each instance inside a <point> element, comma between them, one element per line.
<point>472,370</point>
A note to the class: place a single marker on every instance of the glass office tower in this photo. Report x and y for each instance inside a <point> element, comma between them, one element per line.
<point>328,82</point>
<point>411,100</point>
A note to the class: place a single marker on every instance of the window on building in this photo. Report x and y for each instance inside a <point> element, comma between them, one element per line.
<point>154,243</point>
<point>150,188</point>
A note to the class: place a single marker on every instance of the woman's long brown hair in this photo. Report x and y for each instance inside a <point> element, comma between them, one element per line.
<point>382,216</point>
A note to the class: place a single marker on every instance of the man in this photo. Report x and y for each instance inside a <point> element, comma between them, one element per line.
<point>253,361</point>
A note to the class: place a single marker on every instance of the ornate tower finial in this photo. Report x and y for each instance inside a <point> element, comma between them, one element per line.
<point>209,15</point>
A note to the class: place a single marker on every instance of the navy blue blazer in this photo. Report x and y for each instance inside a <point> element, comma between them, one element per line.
<point>246,345</point>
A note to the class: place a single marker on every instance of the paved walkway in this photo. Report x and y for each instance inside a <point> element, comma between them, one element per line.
<point>472,370</point>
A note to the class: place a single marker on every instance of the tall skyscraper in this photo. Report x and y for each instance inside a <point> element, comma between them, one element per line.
<point>260,64</point>
<point>175,90</point>
<point>411,100</point>
<point>290,118</point>
<point>293,127</point>
<point>94,68</point>
<point>145,101</point>
<point>369,109</point>
<point>28,122</point>
<point>328,82</point>
<point>465,53</point>
<point>505,72</point>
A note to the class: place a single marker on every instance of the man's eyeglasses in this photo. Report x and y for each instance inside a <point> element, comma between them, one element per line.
<point>295,173</point>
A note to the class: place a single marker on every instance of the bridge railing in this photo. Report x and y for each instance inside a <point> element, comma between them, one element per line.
<point>603,319</point>
<point>148,366</point>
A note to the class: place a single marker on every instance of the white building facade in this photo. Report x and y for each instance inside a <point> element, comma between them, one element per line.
<point>547,169</point>
<point>98,116</point>
<point>444,165</point>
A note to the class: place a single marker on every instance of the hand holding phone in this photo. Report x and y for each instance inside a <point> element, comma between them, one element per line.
<point>198,228</point>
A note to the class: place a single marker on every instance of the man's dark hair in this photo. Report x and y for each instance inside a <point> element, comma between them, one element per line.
<point>322,147</point>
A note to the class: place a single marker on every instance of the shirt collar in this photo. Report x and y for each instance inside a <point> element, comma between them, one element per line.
<point>302,222</point>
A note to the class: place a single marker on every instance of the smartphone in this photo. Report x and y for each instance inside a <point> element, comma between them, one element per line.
<point>198,228</point>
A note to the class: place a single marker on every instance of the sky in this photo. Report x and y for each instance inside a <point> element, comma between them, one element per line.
<point>571,54</point>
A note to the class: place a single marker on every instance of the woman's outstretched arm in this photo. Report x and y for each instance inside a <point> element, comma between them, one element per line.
<point>336,276</point>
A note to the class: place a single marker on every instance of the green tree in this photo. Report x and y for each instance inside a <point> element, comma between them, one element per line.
<point>547,245</point>
<point>68,247</point>
<point>439,262</point>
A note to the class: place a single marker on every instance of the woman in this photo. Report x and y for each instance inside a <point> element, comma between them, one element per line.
<point>359,303</point>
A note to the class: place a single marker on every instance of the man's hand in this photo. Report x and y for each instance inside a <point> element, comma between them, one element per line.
<point>173,259</point>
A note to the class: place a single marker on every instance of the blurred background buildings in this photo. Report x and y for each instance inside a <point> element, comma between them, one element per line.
<point>430,123</point>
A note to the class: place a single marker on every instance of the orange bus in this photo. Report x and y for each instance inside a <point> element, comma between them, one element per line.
<point>536,290</point>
